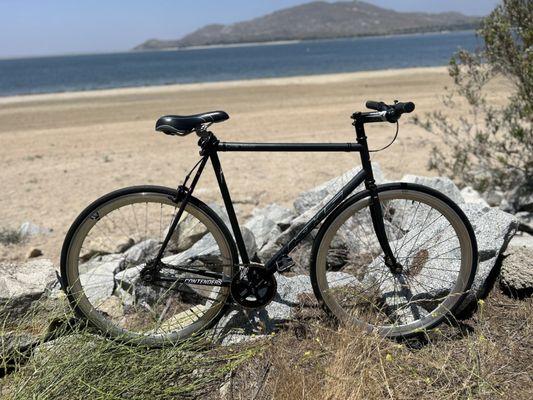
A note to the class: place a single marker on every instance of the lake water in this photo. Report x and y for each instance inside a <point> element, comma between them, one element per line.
<point>99,71</point>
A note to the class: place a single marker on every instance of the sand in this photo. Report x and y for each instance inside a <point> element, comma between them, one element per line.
<point>59,152</point>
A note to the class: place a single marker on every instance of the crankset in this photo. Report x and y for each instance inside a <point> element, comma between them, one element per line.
<point>253,287</point>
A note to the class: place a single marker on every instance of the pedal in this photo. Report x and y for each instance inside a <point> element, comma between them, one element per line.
<point>284,263</point>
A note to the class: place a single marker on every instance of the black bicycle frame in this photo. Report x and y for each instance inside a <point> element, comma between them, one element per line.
<point>210,146</point>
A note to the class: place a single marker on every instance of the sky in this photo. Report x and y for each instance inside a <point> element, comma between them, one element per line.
<point>37,27</point>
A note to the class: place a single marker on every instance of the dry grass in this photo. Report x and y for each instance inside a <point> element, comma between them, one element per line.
<point>56,357</point>
<point>487,357</point>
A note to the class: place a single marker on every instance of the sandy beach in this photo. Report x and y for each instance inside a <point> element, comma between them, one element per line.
<point>59,152</point>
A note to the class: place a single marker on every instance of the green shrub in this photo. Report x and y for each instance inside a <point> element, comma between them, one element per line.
<point>10,236</point>
<point>490,147</point>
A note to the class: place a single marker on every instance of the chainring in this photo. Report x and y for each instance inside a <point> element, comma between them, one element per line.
<point>253,287</point>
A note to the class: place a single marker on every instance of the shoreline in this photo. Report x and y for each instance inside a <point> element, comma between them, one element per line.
<point>317,79</point>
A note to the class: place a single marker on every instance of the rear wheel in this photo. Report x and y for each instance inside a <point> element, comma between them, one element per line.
<point>109,246</point>
<point>429,236</point>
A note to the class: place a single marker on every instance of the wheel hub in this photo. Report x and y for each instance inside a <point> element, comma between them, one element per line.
<point>253,287</point>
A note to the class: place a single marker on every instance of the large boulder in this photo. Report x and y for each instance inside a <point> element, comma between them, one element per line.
<point>517,271</point>
<point>525,220</point>
<point>521,239</point>
<point>263,228</point>
<point>494,229</point>
<point>280,215</point>
<point>442,184</point>
<point>471,195</point>
<point>22,285</point>
<point>97,276</point>
<point>321,194</point>
<point>189,231</point>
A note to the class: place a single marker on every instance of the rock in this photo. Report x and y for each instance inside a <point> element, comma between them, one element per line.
<point>28,229</point>
<point>436,271</point>
<point>22,285</point>
<point>280,310</point>
<point>494,197</point>
<point>494,229</point>
<point>325,191</point>
<point>221,212</point>
<point>237,338</point>
<point>525,202</point>
<point>517,271</point>
<point>263,228</point>
<point>249,241</point>
<point>525,220</point>
<point>142,252</point>
<point>247,235</point>
<point>521,239</point>
<point>189,231</point>
<point>97,276</point>
<point>13,343</point>
<point>79,343</point>
<point>33,253</point>
<point>122,247</point>
<point>442,184</point>
<point>280,215</point>
<point>471,195</point>
<point>521,198</point>
<point>307,205</point>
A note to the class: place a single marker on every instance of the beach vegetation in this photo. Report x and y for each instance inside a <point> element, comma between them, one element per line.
<point>490,147</point>
<point>10,236</point>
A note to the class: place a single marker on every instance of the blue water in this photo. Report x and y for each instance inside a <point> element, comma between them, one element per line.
<point>85,72</point>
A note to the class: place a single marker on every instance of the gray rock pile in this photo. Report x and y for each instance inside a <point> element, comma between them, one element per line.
<point>493,227</point>
<point>22,285</point>
<point>517,271</point>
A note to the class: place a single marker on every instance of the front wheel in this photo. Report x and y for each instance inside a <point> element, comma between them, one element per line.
<point>429,236</point>
<point>109,247</point>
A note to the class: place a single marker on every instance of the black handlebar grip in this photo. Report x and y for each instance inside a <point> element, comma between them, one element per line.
<point>376,105</point>
<point>405,107</point>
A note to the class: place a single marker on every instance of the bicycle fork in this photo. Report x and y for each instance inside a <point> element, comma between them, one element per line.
<point>375,204</point>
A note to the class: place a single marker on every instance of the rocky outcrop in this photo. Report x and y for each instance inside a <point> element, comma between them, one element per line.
<point>517,271</point>
<point>494,229</point>
<point>22,285</point>
<point>442,184</point>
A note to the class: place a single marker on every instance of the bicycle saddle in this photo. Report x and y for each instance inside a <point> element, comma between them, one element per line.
<point>185,124</point>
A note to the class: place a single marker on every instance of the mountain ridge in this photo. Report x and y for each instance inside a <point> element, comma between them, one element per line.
<point>317,20</point>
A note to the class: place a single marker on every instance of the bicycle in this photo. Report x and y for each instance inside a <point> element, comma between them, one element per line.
<point>153,265</point>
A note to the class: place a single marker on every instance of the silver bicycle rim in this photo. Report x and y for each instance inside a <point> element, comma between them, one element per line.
<point>104,324</point>
<point>449,303</point>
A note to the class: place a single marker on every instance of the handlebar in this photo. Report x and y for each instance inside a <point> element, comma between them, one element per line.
<point>391,113</point>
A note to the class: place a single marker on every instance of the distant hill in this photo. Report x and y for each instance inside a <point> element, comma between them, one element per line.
<point>318,20</point>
